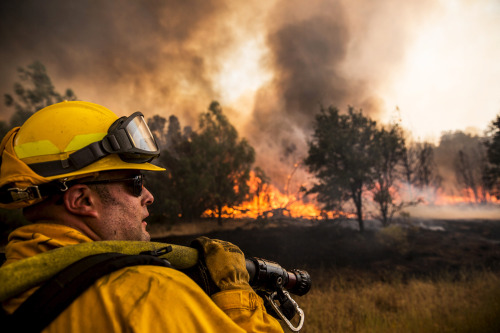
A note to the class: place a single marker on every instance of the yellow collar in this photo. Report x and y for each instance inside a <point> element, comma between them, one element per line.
<point>36,238</point>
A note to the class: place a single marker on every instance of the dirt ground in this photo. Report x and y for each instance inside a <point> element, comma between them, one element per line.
<point>419,247</point>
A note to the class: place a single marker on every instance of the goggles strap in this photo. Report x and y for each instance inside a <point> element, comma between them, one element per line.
<point>87,155</point>
<point>79,159</point>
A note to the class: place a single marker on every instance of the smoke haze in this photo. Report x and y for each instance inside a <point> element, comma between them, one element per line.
<point>270,64</point>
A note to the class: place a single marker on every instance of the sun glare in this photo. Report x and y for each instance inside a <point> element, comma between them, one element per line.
<point>241,71</point>
<point>450,78</point>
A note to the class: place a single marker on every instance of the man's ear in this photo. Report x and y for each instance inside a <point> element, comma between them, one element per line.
<point>79,200</point>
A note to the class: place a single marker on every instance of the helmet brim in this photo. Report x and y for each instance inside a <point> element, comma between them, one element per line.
<point>108,163</point>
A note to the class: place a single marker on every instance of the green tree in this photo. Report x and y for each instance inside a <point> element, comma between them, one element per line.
<point>34,93</point>
<point>342,155</point>
<point>157,126</point>
<point>181,191</point>
<point>228,160</point>
<point>390,155</point>
<point>208,169</point>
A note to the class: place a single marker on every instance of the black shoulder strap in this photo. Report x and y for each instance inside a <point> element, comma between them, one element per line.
<point>41,308</point>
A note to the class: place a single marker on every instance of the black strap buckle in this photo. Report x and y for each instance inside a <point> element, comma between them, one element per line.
<point>158,252</point>
<point>24,194</point>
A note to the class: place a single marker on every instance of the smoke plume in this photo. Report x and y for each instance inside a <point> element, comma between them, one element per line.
<point>167,57</point>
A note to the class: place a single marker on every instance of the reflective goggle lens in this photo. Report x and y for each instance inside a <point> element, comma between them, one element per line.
<point>140,135</point>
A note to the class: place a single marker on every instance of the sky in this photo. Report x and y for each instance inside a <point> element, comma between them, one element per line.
<point>430,64</point>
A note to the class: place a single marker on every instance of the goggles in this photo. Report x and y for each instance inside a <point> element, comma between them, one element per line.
<point>129,137</point>
<point>135,183</point>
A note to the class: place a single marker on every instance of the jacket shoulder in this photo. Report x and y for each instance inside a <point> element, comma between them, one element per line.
<point>142,299</point>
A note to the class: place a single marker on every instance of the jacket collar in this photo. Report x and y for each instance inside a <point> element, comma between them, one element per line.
<point>35,238</point>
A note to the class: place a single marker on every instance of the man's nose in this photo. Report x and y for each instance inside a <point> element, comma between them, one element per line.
<point>147,197</point>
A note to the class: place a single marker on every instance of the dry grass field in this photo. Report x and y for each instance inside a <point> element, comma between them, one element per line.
<point>425,276</point>
<point>466,303</point>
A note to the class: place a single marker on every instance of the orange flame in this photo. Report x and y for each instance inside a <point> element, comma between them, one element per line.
<point>267,201</point>
<point>466,196</point>
<point>439,197</point>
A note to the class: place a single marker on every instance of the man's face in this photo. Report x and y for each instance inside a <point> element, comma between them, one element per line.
<point>121,213</point>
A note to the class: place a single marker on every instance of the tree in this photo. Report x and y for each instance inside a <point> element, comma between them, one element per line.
<point>410,162</point>
<point>494,144</point>
<point>208,169</point>
<point>262,181</point>
<point>34,93</point>
<point>426,174</point>
<point>469,172</point>
<point>157,126</point>
<point>390,153</point>
<point>463,161</point>
<point>174,136</point>
<point>342,155</point>
<point>181,191</point>
<point>492,176</point>
<point>227,160</point>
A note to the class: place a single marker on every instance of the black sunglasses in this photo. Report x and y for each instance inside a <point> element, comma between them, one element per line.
<point>136,183</point>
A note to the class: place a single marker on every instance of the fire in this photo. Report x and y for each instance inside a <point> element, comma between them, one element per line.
<point>466,196</point>
<point>268,201</point>
<point>441,197</point>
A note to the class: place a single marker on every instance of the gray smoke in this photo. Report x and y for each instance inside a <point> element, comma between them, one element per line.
<point>124,55</point>
<point>163,57</point>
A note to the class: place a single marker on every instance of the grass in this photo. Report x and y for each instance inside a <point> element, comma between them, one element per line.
<point>467,303</point>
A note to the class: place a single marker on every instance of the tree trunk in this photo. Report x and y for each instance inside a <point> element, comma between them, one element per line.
<point>361,222</point>
<point>359,212</point>
<point>219,215</point>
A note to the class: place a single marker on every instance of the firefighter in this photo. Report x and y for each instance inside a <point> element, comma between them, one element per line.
<point>76,170</point>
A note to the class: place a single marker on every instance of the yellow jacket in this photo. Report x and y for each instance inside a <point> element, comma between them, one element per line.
<point>139,298</point>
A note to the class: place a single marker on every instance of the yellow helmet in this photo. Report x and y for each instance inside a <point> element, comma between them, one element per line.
<point>70,140</point>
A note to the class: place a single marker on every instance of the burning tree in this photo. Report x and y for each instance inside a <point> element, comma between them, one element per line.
<point>462,158</point>
<point>207,169</point>
<point>342,155</point>
<point>420,170</point>
<point>227,159</point>
<point>262,182</point>
<point>469,172</point>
